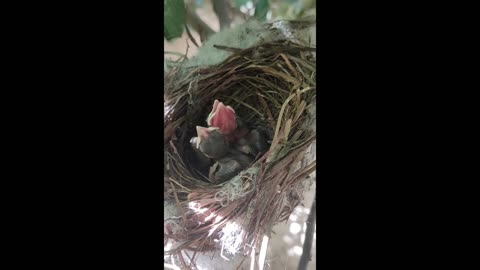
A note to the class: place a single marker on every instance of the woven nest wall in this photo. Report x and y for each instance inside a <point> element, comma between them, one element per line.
<point>272,85</point>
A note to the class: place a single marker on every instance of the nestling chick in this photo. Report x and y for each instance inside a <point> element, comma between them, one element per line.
<point>224,118</point>
<point>229,162</point>
<point>235,130</point>
<point>201,161</point>
<point>211,142</point>
<point>252,144</point>
<point>229,166</point>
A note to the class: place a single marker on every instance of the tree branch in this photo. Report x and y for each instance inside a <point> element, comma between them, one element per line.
<point>197,24</point>
<point>221,8</point>
<point>190,36</point>
<point>307,245</point>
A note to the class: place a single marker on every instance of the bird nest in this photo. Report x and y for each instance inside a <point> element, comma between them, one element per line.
<point>272,85</point>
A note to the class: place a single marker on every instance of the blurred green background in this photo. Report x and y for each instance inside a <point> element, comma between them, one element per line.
<point>204,17</point>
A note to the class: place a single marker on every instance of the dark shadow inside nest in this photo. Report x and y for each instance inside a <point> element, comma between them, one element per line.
<point>251,121</point>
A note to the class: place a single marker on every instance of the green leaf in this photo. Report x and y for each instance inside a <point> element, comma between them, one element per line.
<point>239,3</point>
<point>261,9</point>
<point>173,18</point>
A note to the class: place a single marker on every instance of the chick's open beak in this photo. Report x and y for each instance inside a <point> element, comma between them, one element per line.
<point>203,133</point>
<point>222,117</point>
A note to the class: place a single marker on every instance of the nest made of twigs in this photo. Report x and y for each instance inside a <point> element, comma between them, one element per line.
<point>272,84</point>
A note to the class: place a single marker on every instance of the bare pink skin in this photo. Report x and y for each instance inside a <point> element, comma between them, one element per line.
<point>223,118</point>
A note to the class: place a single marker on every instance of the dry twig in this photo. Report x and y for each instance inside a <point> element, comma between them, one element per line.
<point>307,245</point>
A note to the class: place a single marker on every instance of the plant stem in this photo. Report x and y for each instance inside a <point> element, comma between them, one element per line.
<point>307,245</point>
<point>197,24</point>
<point>221,8</point>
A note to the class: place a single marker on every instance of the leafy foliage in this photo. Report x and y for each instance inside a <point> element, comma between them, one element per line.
<point>173,18</point>
<point>239,3</point>
<point>261,9</point>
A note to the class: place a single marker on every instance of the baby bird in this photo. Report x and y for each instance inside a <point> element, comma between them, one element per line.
<point>229,162</point>
<point>224,118</point>
<point>253,143</point>
<point>229,166</point>
<point>211,142</point>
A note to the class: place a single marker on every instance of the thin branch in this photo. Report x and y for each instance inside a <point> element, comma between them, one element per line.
<point>221,47</point>
<point>307,246</point>
<point>197,24</point>
<point>175,53</point>
<point>190,36</point>
<point>221,8</point>
<point>238,267</point>
<point>252,262</point>
<point>263,251</point>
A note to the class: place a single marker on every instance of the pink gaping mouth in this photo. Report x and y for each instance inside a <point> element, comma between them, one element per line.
<point>222,117</point>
